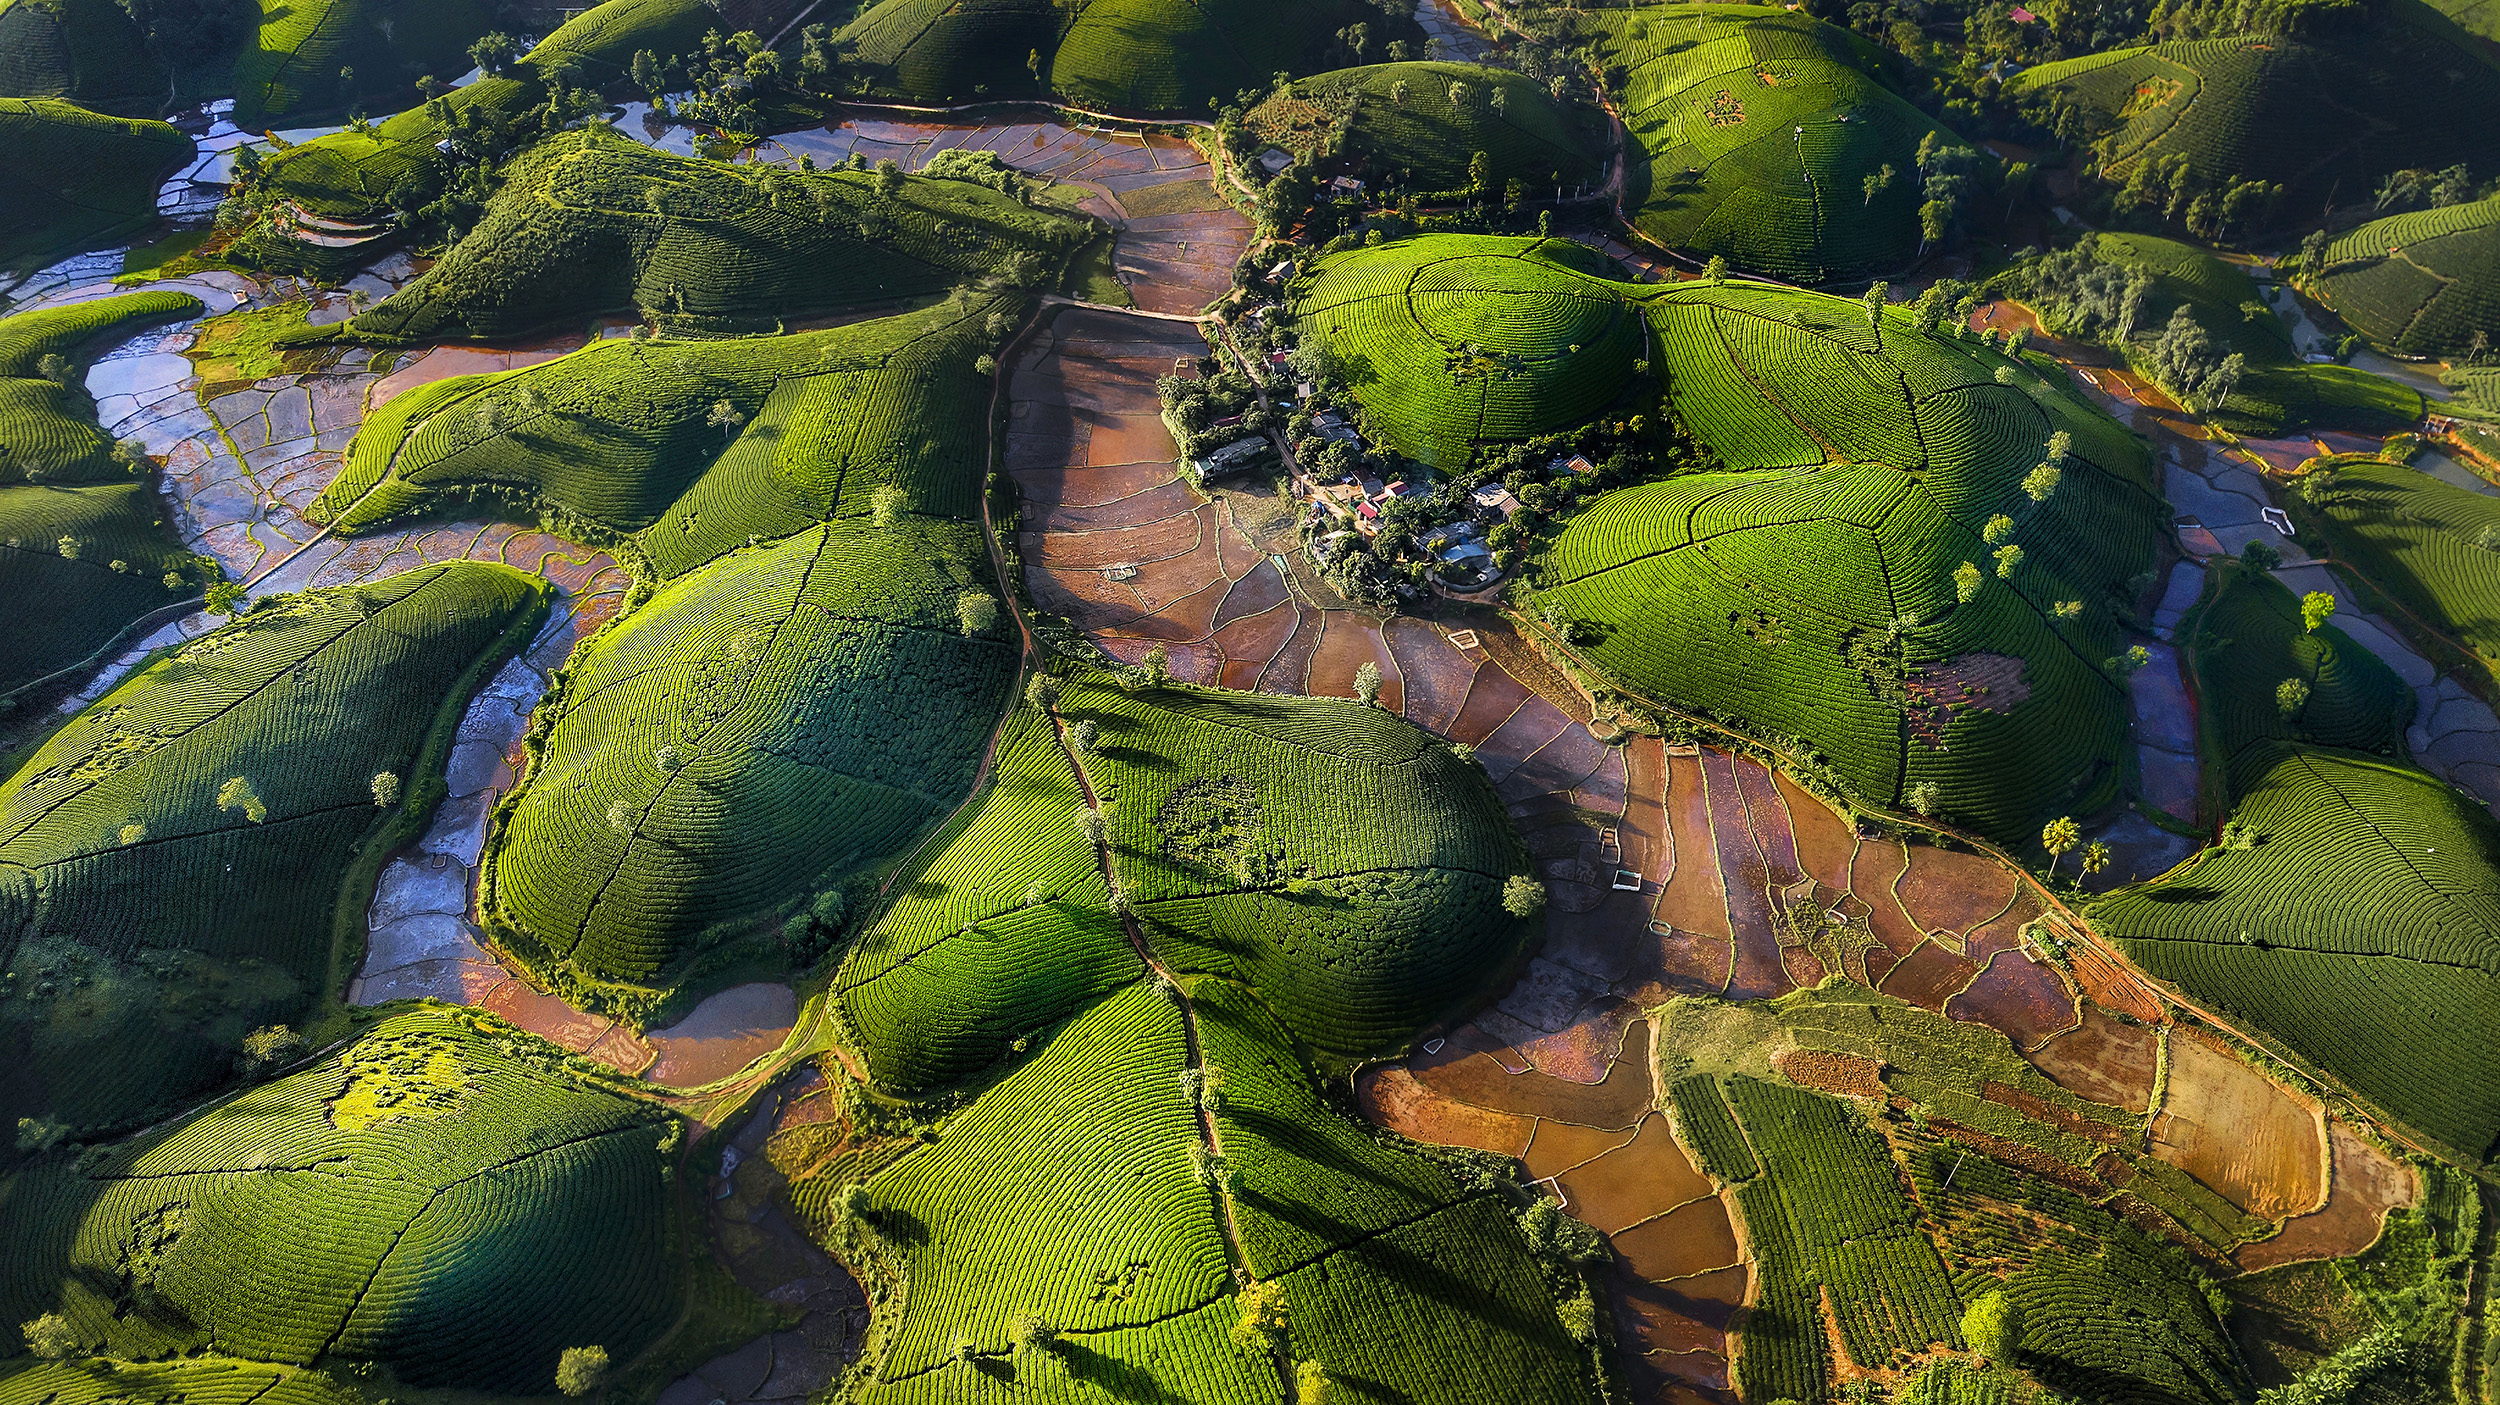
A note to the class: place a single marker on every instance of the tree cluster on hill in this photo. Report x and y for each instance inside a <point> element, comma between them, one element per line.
<point>2088,295</point>
<point>2191,365</point>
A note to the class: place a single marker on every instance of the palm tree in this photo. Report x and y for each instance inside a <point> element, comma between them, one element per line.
<point>2058,836</point>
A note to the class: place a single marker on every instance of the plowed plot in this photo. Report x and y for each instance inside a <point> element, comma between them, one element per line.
<point>1634,1182</point>
<point>2105,1059</point>
<point>1348,640</point>
<point>2258,1144</point>
<point>2366,1183</point>
<point>2025,1000</point>
<point>1945,891</point>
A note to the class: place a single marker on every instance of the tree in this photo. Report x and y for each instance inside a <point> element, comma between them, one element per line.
<point>1156,666</point>
<point>494,52</point>
<point>1994,1326</point>
<point>885,506</point>
<point>132,455</point>
<point>2290,696</point>
<point>51,1337</point>
<point>2257,556</point>
<point>1462,96</point>
<point>1522,896</point>
<point>1480,172</point>
<point>267,1045</point>
<point>2040,484</point>
<point>1998,530</point>
<point>889,181</point>
<point>1083,735</point>
<point>2095,857</point>
<point>2058,836</point>
<point>1715,271</point>
<point>1398,92</point>
<point>237,794</point>
<point>1367,683</point>
<point>1091,823</point>
<point>2316,608</point>
<point>1032,1332</point>
<point>1926,797</point>
<point>1877,293</point>
<point>725,417</point>
<point>2008,556</point>
<point>385,785</point>
<point>976,611</point>
<point>1877,183</point>
<point>1043,691</point>
<point>581,1369</point>
<point>1312,1384</point>
<point>1966,579</point>
<point>1264,1319</point>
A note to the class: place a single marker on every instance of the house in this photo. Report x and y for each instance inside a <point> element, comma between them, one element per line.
<point>1328,424</point>
<point>1282,271</point>
<point>1232,458</point>
<point>1447,536</point>
<point>1345,188</point>
<point>1373,489</point>
<point>1576,463</point>
<point>1273,160</point>
<point>1496,499</point>
<point>1469,554</point>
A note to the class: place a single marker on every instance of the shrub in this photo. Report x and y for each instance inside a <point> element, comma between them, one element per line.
<point>385,788</point>
<point>1522,896</point>
<point>582,1369</point>
<point>1264,1317</point>
<point>51,1338</point>
<point>1993,1325</point>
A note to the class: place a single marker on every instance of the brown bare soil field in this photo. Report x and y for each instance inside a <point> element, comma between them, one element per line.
<point>1930,976</point>
<point>1559,1146</point>
<point>2366,1183</point>
<point>1348,640</point>
<point>723,1034</point>
<point>1744,876</point>
<point>1953,892</point>
<point>1490,703</point>
<point>1392,1097</point>
<point>1433,675</point>
<point>1825,845</point>
<point>1695,1239</point>
<point>1644,1178</point>
<point>2258,1144</point>
<point>1848,1075</point>
<point>2104,1058</point>
<point>2026,1001</point>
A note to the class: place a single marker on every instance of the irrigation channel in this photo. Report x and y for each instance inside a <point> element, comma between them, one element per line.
<point>1668,867</point>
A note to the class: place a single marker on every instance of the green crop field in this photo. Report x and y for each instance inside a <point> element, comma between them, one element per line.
<point>87,51</point>
<point>2357,929</point>
<point>2400,87</point>
<point>2249,639</point>
<point>1067,1191</point>
<point>291,67</point>
<point>438,1197</point>
<point>1339,860</point>
<point>593,222</point>
<point>180,863</point>
<point>1826,1211</point>
<point>1128,55</point>
<point>206,1380</point>
<point>352,174</point>
<point>84,549</point>
<point>77,178</point>
<point>1397,118</point>
<point>1001,930</point>
<point>621,438</point>
<point>1753,128</point>
<point>1816,574</point>
<point>2280,393</point>
<point>2111,1313</point>
<point>2420,284</point>
<point>1553,341</point>
<point>783,718</point>
<point>2419,540</point>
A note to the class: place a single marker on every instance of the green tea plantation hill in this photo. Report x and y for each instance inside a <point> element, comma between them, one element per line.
<point>2419,284</point>
<point>77,178</point>
<point>1247,838</point>
<point>1125,55</point>
<point>1421,124</point>
<point>2349,910</point>
<point>84,547</point>
<point>87,51</point>
<point>592,221</point>
<point>191,857</point>
<point>199,1380</point>
<point>629,441</point>
<point>1079,1190</point>
<point>357,174</point>
<point>2349,94</point>
<point>444,1197</point>
<point>1845,578</point>
<point>1767,137</point>
<point>320,56</point>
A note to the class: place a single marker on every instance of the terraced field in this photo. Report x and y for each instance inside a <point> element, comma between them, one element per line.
<point>87,51</point>
<point>2402,88</point>
<point>78,178</point>
<point>1858,473</point>
<point>595,222</point>
<point>1450,341</point>
<point>272,1223</point>
<point>1398,122</point>
<point>291,67</point>
<point>1127,56</point>
<point>2419,284</point>
<point>352,174</point>
<point>1753,128</point>
<point>199,843</point>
